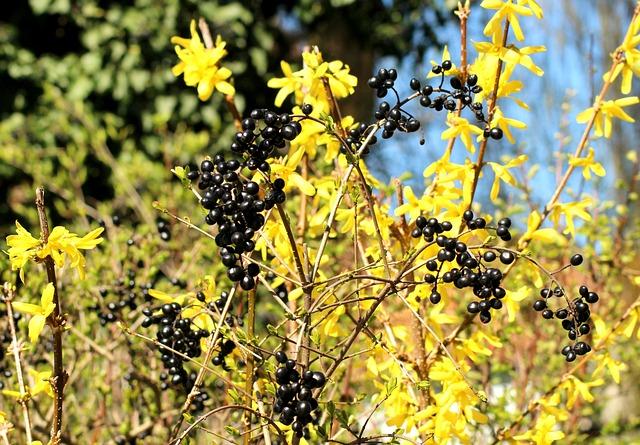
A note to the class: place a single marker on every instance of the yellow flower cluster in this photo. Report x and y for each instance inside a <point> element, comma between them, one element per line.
<point>60,245</point>
<point>201,65</point>
<point>307,83</point>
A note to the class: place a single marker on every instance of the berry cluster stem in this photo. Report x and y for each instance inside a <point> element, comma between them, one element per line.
<point>56,321</point>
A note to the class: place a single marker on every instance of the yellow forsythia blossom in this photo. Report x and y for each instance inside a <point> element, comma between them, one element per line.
<point>459,126</point>
<point>307,82</point>
<point>544,432</point>
<point>608,110</point>
<point>39,312</point>
<point>200,65</point>
<point>629,65</point>
<point>60,245</point>
<point>509,11</point>
<point>588,164</point>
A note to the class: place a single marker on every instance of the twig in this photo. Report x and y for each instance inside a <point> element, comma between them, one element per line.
<point>200,377</point>
<point>251,311</point>
<point>491,109</point>
<point>217,410</point>
<point>228,99</point>
<point>9,295</point>
<point>56,321</point>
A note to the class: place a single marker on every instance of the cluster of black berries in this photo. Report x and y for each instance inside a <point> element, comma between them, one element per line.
<point>396,118</point>
<point>472,271</point>
<point>226,347</point>
<point>356,137</point>
<point>179,334</point>
<point>461,92</point>
<point>575,316</point>
<point>125,296</point>
<point>235,207</point>
<point>294,397</point>
<point>164,230</point>
<point>234,203</point>
<point>383,81</point>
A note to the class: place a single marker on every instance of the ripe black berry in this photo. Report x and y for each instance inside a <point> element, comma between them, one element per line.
<point>507,257</point>
<point>576,260</point>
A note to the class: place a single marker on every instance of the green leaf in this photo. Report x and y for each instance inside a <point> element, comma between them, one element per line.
<point>391,385</point>
<point>343,418</point>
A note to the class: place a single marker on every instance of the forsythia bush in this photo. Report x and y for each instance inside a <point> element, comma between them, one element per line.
<point>281,293</point>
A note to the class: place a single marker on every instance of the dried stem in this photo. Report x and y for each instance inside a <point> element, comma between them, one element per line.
<point>9,295</point>
<point>248,387</point>
<point>206,415</point>
<point>56,321</point>
<point>228,99</point>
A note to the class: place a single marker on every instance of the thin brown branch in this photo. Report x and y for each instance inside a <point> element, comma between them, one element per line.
<point>56,321</point>
<point>493,100</point>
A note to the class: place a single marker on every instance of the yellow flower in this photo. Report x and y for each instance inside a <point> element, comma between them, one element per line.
<point>60,245</point>
<point>42,384</point>
<point>606,111</point>
<point>413,205</point>
<point>576,387</point>
<point>512,55</point>
<point>287,84</point>
<point>534,6</point>
<point>504,123</point>
<point>543,433</point>
<point>287,171</point>
<point>445,56</point>
<point>588,164</point>
<point>307,83</point>
<point>547,235</point>
<point>485,67</point>
<point>200,65</point>
<point>570,210</point>
<point>22,248</point>
<point>505,10</point>
<point>459,126</point>
<point>39,312</point>
<point>502,173</point>
<point>630,64</point>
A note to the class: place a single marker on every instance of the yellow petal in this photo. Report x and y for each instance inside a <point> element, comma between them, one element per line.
<point>26,308</point>
<point>36,324</point>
